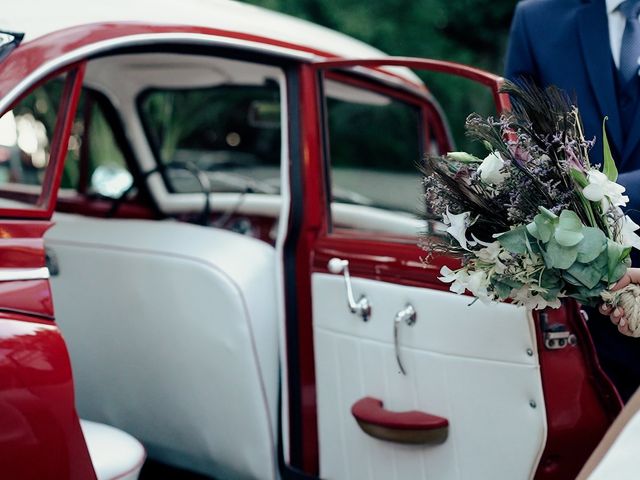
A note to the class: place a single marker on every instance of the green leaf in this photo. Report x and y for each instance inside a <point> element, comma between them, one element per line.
<point>569,231</point>
<point>609,167</point>
<point>560,256</point>
<point>533,230</point>
<point>570,279</point>
<point>617,273</point>
<point>548,213</point>
<point>514,241</point>
<point>463,157</point>
<point>579,177</point>
<point>545,227</point>
<point>588,296</point>
<point>615,253</point>
<point>588,275</point>
<point>592,245</point>
<point>502,289</point>
<point>550,279</point>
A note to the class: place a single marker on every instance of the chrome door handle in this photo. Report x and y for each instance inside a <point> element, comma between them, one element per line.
<point>409,316</point>
<point>362,307</point>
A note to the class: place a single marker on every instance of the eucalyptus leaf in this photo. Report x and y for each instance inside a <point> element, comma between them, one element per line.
<point>569,230</point>
<point>545,226</point>
<point>567,238</point>
<point>514,241</point>
<point>548,213</point>
<point>550,279</point>
<point>588,275</point>
<point>589,296</point>
<point>571,280</point>
<point>533,230</point>
<point>617,273</point>
<point>615,253</point>
<point>592,245</point>
<point>609,167</point>
<point>560,256</point>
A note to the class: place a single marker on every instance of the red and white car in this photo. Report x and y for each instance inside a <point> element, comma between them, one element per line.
<point>207,241</point>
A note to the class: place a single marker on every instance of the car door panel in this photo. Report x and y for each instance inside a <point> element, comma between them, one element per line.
<point>484,368</point>
<point>467,364</point>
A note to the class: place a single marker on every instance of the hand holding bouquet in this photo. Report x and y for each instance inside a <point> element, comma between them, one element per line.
<point>533,221</point>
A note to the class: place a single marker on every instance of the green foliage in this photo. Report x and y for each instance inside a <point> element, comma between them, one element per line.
<point>581,257</point>
<point>609,167</point>
<point>473,32</point>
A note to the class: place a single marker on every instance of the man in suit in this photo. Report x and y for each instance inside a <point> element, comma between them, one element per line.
<point>591,49</point>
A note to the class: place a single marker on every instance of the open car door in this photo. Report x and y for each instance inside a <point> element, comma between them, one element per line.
<point>40,433</point>
<point>389,374</point>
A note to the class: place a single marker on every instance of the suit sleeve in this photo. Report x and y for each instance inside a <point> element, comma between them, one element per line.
<point>520,63</point>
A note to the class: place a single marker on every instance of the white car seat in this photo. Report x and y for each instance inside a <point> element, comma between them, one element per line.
<point>172,334</point>
<point>115,455</point>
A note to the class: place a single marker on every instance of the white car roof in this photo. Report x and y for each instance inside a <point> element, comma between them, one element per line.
<point>36,18</point>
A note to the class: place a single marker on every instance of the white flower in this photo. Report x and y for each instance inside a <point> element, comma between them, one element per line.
<point>477,284</point>
<point>490,169</point>
<point>490,252</point>
<point>458,224</point>
<point>457,279</point>
<point>475,281</point>
<point>600,188</point>
<point>627,231</point>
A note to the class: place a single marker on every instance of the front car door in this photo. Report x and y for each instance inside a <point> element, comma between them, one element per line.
<point>483,374</point>
<point>40,435</point>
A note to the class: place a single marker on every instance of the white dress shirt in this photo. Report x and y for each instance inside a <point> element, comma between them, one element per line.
<point>616,28</point>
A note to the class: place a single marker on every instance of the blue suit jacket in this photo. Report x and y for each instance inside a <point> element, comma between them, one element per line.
<point>566,43</point>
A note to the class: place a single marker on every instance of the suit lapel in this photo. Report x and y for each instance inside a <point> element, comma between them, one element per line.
<point>596,51</point>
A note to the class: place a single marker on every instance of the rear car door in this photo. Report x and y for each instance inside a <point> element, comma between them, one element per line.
<point>407,379</point>
<point>40,435</point>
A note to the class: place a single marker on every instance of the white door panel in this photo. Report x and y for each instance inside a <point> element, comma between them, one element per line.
<point>467,364</point>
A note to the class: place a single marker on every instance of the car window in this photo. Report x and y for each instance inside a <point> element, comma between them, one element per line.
<point>95,162</point>
<point>231,132</point>
<point>26,137</point>
<point>375,152</point>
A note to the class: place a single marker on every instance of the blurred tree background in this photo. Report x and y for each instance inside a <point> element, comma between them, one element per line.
<point>473,32</point>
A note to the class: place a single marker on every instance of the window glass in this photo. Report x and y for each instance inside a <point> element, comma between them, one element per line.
<point>92,143</point>
<point>26,135</point>
<point>375,146</point>
<point>231,132</point>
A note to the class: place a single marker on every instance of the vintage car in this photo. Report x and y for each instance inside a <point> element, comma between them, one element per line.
<point>209,253</point>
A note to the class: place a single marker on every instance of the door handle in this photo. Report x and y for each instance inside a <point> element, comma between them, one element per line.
<point>362,307</point>
<point>409,316</point>
<point>412,427</point>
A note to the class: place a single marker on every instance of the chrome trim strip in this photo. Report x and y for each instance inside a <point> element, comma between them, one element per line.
<point>16,274</point>
<point>146,39</point>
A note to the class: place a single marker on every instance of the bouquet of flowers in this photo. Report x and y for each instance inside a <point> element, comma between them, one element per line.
<point>534,221</point>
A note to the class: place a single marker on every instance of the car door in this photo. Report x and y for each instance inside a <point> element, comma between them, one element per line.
<point>40,435</point>
<point>407,380</point>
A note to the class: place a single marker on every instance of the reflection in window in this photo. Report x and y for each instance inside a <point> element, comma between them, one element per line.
<point>375,149</point>
<point>26,134</point>
<point>93,146</point>
<point>231,132</point>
